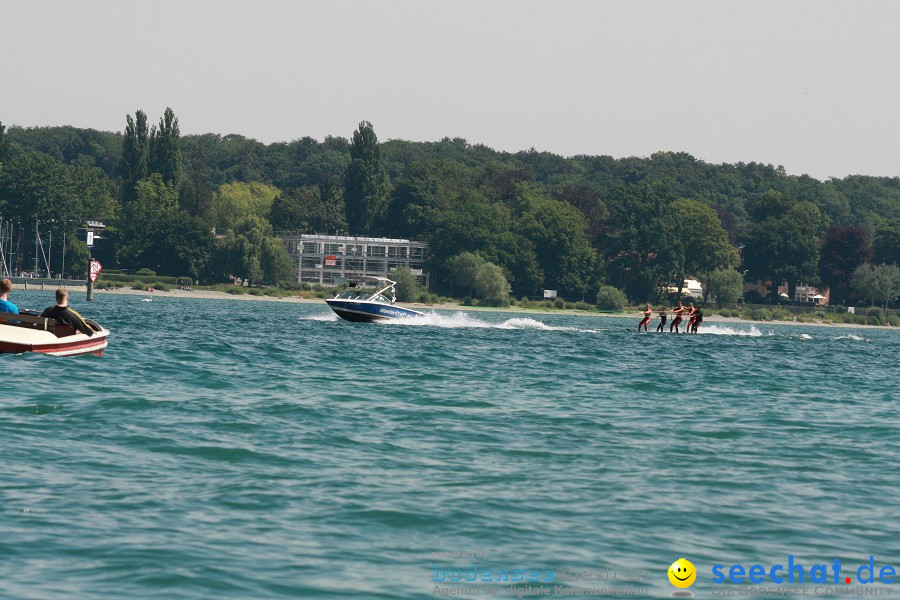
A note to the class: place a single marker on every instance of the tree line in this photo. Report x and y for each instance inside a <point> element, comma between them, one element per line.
<point>209,206</point>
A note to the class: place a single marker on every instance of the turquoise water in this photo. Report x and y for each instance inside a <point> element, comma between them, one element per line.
<point>263,449</point>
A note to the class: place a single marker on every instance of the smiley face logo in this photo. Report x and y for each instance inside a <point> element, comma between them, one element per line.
<point>682,573</point>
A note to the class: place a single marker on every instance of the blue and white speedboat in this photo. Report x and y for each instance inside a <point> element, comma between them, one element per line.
<point>360,305</point>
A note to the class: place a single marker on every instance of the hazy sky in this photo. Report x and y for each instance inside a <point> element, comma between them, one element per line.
<point>812,85</point>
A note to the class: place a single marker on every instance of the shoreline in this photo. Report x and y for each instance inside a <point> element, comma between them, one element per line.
<point>217,295</point>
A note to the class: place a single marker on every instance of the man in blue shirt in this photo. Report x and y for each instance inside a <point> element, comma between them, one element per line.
<point>5,304</point>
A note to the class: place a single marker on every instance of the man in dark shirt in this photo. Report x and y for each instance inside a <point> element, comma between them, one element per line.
<point>61,313</point>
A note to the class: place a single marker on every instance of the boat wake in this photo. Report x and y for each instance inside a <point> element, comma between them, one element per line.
<point>464,320</point>
<point>724,330</point>
<point>325,317</point>
<point>527,323</point>
<point>852,337</point>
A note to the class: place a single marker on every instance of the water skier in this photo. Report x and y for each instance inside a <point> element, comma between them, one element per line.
<point>647,313</point>
<point>662,321</point>
<point>677,312</point>
<point>698,318</point>
<point>691,312</point>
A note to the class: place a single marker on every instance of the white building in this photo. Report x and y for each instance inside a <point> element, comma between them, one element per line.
<point>809,294</point>
<point>329,259</point>
<point>691,287</point>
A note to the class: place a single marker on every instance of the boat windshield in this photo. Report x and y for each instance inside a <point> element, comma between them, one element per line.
<point>370,295</point>
<point>353,295</point>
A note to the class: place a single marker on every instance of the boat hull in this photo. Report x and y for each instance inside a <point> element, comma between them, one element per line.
<point>16,340</point>
<point>366,312</point>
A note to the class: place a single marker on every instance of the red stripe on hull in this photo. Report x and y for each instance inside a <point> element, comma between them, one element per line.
<point>76,348</point>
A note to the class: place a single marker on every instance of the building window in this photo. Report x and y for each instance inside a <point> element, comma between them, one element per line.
<point>376,266</point>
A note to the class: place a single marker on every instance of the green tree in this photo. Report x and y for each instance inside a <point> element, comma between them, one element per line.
<point>426,186</point>
<point>843,251</point>
<point>769,205</point>
<point>472,223</point>
<point>463,271</point>
<point>880,283</point>
<point>154,202</point>
<point>491,285</point>
<point>248,251</point>
<point>195,195</point>
<point>164,153</point>
<point>74,263</point>
<point>724,285</point>
<point>589,203</point>
<point>887,242</point>
<point>181,244</point>
<point>366,181</point>
<point>701,241</point>
<point>133,165</point>
<point>407,288</point>
<point>642,247</point>
<point>275,262</point>
<point>234,202</point>
<point>93,187</point>
<point>33,186</point>
<point>610,298</point>
<point>784,245</point>
<point>291,210</point>
<point>4,144</point>
<point>559,234</point>
<point>37,192</point>
<point>308,210</point>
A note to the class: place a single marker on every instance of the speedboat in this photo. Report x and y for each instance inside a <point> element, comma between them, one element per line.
<point>32,333</point>
<point>367,306</point>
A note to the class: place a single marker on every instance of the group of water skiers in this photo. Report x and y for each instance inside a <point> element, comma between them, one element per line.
<point>694,316</point>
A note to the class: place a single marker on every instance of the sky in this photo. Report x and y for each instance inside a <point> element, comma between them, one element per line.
<point>812,85</point>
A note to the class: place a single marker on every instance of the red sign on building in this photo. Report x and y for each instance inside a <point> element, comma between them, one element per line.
<point>331,261</point>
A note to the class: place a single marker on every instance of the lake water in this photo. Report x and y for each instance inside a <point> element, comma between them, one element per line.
<point>262,449</point>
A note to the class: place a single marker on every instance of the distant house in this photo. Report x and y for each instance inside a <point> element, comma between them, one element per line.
<point>810,295</point>
<point>805,294</point>
<point>691,287</point>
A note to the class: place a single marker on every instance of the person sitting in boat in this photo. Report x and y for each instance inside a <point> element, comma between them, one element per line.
<point>61,313</point>
<point>5,304</point>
